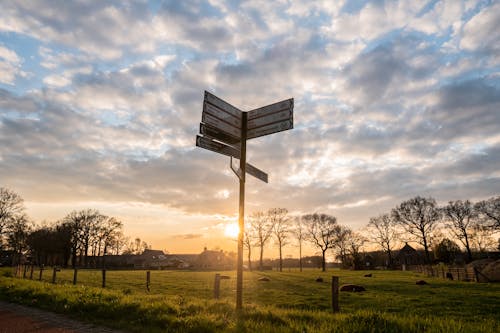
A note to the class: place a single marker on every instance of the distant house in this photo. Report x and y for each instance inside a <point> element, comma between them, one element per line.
<point>216,259</point>
<point>407,255</point>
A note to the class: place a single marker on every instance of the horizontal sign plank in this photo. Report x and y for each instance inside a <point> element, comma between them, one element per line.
<point>220,125</point>
<point>270,129</point>
<point>207,130</point>
<point>217,147</point>
<point>222,105</point>
<point>270,119</point>
<point>259,174</point>
<point>287,104</point>
<point>222,115</point>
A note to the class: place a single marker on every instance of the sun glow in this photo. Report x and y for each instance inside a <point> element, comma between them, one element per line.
<point>232,230</point>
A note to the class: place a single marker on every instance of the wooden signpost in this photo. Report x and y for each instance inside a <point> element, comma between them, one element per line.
<point>225,129</point>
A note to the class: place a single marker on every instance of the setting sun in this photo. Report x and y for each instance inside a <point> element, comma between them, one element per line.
<point>232,230</point>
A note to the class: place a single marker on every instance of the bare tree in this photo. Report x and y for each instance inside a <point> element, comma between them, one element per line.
<point>83,225</point>
<point>261,230</point>
<point>321,230</point>
<point>278,218</point>
<point>489,211</point>
<point>342,242</point>
<point>300,234</point>
<point>481,238</point>
<point>17,235</point>
<point>247,243</point>
<point>460,216</point>
<point>383,231</point>
<point>419,216</point>
<point>11,205</point>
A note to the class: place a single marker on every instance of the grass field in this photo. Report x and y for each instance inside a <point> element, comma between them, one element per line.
<point>181,301</point>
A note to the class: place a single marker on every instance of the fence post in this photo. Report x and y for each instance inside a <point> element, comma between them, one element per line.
<point>41,272</point>
<point>75,275</point>
<point>25,271</point>
<point>148,280</point>
<point>54,274</point>
<point>31,271</point>
<point>217,286</point>
<point>104,278</point>
<point>335,294</point>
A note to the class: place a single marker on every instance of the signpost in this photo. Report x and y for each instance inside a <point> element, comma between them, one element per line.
<point>225,130</point>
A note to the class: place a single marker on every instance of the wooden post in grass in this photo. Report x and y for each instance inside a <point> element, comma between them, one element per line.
<point>25,271</point>
<point>41,273</point>
<point>104,278</point>
<point>75,275</point>
<point>335,294</point>
<point>31,271</point>
<point>148,280</point>
<point>54,272</point>
<point>217,286</point>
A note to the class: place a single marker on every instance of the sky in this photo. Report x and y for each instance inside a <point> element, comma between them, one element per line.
<point>100,104</point>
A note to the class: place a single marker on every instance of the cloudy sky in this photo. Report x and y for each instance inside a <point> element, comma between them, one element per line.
<point>100,103</point>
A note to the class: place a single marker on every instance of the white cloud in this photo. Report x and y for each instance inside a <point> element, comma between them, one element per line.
<point>10,66</point>
<point>481,32</point>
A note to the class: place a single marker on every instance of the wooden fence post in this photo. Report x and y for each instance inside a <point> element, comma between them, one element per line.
<point>31,271</point>
<point>41,273</point>
<point>104,278</point>
<point>54,272</point>
<point>335,294</point>
<point>25,271</point>
<point>148,280</point>
<point>75,275</point>
<point>217,286</point>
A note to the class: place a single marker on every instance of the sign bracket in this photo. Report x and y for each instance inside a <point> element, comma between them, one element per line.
<point>237,172</point>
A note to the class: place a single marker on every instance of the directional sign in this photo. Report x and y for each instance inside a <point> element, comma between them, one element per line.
<point>270,129</point>
<point>222,105</point>
<point>222,115</point>
<point>212,132</point>
<point>220,125</point>
<point>270,119</point>
<point>217,147</point>
<point>266,110</point>
<point>251,170</point>
<point>259,174</point>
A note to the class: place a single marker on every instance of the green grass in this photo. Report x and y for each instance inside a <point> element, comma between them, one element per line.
<point>289,302</point>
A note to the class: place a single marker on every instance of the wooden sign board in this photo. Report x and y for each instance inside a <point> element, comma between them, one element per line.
<point>217,147</point>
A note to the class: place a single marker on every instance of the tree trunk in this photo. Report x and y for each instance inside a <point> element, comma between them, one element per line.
<point>261,259</point>
<point>300,255</point>
<point>249,260</point>
<point>281,258</point>
<point>323,261</point>
<point>426,249</point>
<point>467,247</point>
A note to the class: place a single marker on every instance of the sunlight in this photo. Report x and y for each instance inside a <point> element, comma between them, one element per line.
<point>232,230</point>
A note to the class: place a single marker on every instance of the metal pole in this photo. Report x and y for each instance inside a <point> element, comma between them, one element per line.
<point>241,219</point>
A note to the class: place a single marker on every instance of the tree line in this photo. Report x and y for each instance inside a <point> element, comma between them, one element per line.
<point>418,220</point>
<point>76,239</point>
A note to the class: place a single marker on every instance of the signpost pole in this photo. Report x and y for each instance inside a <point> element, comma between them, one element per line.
<point>241,219</point>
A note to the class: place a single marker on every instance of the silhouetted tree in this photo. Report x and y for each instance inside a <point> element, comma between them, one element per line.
<point>419,216</point>
<point>11,206</point>
<point>459,216</point>
<point>261,231</point>
<point>300,233</point>
<point>17,234</point>
<point>446,251</point>
<point>321,230</point>
<point>489,212</point>
<point>278,218</point>
<point>383,231</point>
<point>247,243</point>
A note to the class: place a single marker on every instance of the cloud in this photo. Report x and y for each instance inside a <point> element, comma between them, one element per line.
<point>10,66</point>
<point>480,33</point>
